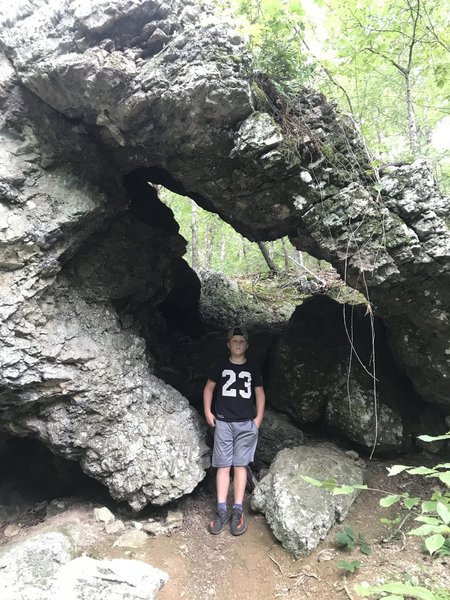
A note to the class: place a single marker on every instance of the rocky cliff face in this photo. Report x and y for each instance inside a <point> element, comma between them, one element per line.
<point>93,91</point>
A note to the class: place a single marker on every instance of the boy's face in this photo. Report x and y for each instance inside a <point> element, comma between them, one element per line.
<point>237,345</point>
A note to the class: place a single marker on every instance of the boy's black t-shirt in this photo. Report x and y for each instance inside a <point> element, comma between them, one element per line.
<point>235,390</point>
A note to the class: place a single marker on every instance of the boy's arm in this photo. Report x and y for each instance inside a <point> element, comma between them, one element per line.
<point>207,402</point>
<point>260,405</point>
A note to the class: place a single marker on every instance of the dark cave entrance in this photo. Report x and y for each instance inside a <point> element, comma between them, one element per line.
<point>35,483</point>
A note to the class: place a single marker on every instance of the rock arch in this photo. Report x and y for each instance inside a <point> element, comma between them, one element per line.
<point>93,91</point>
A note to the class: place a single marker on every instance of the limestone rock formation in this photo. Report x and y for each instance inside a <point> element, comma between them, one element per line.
<point>146,78</point>
<point>276,433</point>
<point>299,514</point>
<point>71,373</point>
<point>97,94</point>
<point>322,371</point>
<point>43,567</point>
<point>223,303</point>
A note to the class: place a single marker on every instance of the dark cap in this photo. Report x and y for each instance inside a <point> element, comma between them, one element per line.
<point>238,330</point>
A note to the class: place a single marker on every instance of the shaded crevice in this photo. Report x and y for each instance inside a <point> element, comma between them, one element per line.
<point>30,473</point>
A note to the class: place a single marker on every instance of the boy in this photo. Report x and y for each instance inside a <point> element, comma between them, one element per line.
<point>235,423</point>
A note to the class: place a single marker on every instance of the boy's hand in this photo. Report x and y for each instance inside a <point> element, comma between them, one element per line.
<point>210,419</point>
<point>258,422</point>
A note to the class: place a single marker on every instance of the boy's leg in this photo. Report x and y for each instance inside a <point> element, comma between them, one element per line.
<point>222,459</point>
<point>239,483</point>
<point>238,524</point>
<point>222,484</point>
<point>245,440</point>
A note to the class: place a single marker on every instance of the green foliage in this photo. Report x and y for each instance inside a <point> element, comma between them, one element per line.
<point>348,539</point>
<point>345,539</point>
<point>444,550</point>
<point>389,62</point>
<point>222,249</point>
<point>391,522</point>
<point>275,29</point>
<point>435,512</point>
<point>397,591</point>
<point>349,566</point>
<point>435,516</point>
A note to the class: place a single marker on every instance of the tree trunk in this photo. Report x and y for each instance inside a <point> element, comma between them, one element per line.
<point>210,234</point>
<point>222,248</point>
<point>412,125</point>
<point>285,255</point>
<point>195,263</point>
<point>297,256</point>
<point>269,261</point>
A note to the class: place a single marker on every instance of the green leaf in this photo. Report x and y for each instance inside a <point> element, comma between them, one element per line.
<point>443,466</point>
<point>311,481</point>
<point>389,500</point>
<point>345,538</point>
<point>396,469</point>
<point>345,489</point>
<point>351,566</point>
<point>429,529</point>
<point>434,438</point>
<point>443,510</point>
<point>398,589</point>
<point>429,506</point>
<point>411,502</point>
<point>390,522</point>
<point>445,477</point>
<point>429,520</point>
<point>329,484</point>
<point>365,548</point>
<point>421,471</point>
<point>378,187</point>
<point>408,590</point>
<point>434,542</point>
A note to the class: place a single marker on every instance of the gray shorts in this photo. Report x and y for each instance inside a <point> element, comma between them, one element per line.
<point>234,443</point>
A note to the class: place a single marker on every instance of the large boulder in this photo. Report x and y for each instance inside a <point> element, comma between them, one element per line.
<point>299,514</point>
<point>276,433</point>
<point>44,567</point>
<point>223,304</point>
<point>73,375</point>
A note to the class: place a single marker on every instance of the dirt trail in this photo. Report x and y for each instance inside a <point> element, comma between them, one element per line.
<point>255,566</point>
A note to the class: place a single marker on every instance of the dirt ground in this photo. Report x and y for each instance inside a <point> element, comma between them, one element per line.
<point>255,566</point>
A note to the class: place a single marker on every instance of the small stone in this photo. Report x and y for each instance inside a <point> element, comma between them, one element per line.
<point>104,514</point>
<point>325,555</point>
<point>352,454</point>
<point>155,528</point>
<point>174,519</point>
<point>55,507</point>
<point>115,527</point>
<point>131,539</point>
<point>137,525</point>
<point>12,530</point>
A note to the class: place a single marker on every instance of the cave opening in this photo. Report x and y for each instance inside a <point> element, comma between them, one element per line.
<point>185,333</point>
<point>36,483</point>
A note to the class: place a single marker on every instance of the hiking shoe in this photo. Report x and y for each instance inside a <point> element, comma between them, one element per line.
<point>238,525</point>
<point>218,523</point>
